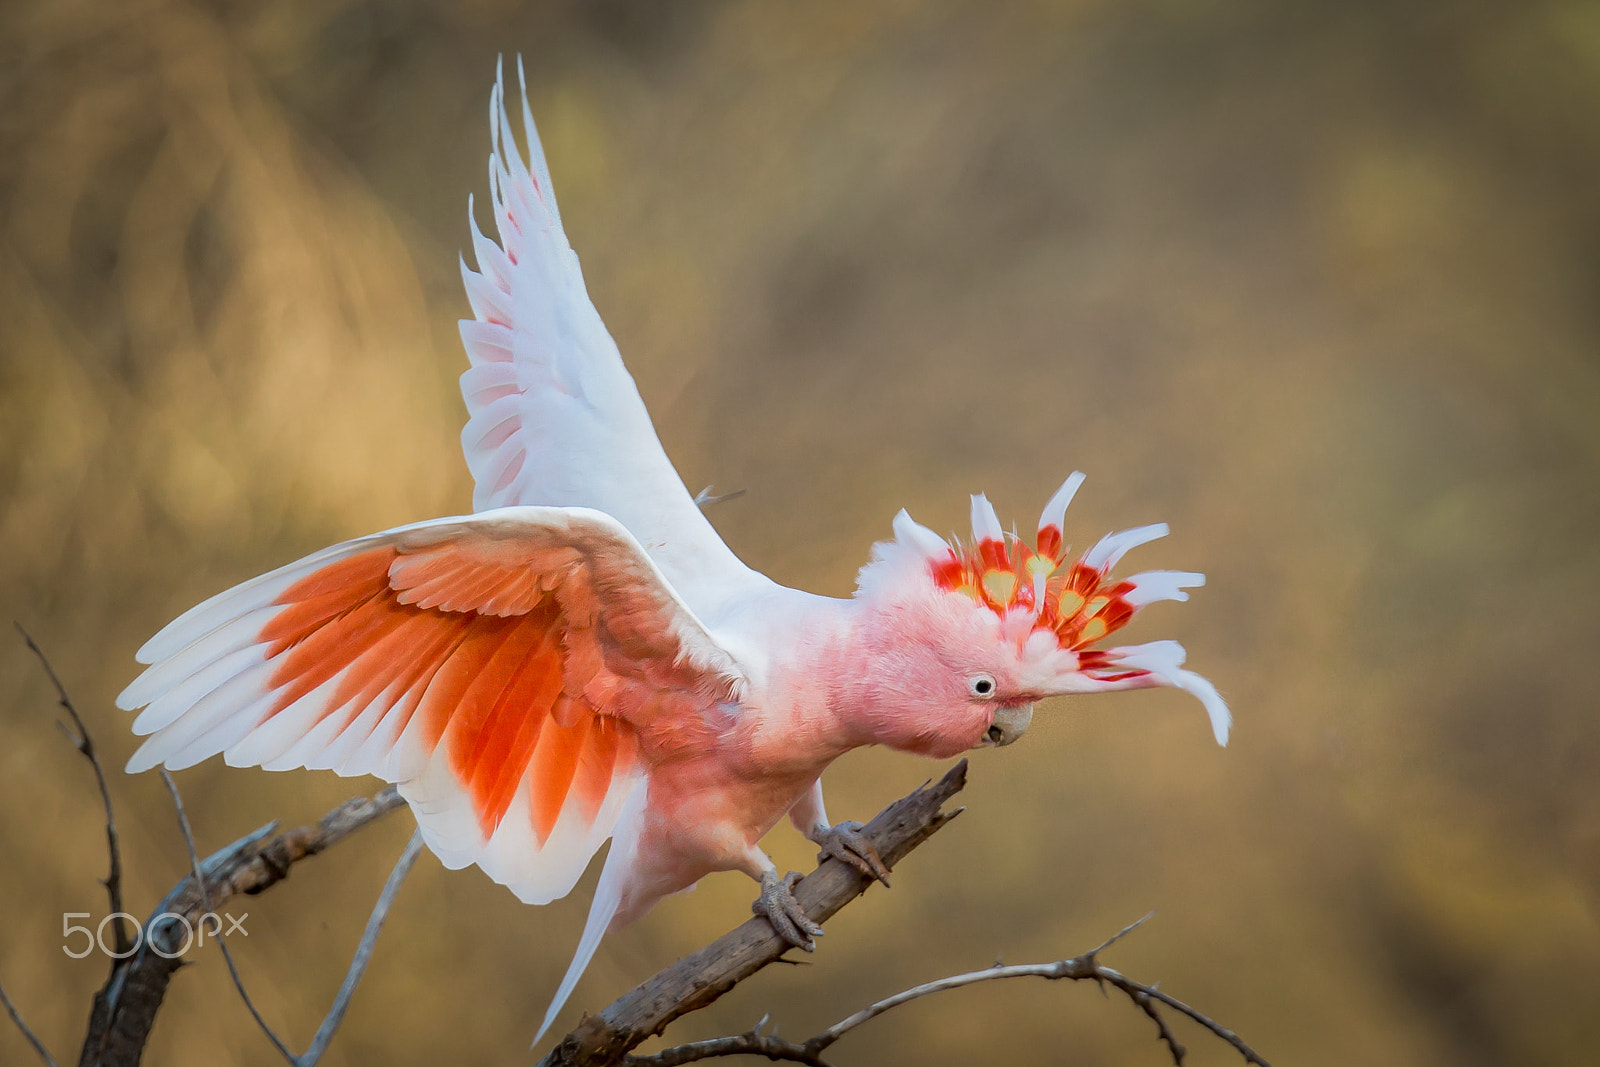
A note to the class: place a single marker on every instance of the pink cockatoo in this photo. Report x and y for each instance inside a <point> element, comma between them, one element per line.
<point>583,658</point>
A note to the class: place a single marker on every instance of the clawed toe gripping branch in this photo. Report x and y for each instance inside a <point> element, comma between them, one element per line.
<point>124,1009</point>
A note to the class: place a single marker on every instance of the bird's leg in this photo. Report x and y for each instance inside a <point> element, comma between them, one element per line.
<point>844,842</point>
<point>784,912</point>
<point>777,900</point>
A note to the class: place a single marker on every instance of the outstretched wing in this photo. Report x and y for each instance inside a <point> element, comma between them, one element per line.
<point>500,667</point>
<point>555,418</point>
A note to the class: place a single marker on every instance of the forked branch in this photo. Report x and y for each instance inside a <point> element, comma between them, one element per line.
<point>1078,968</point>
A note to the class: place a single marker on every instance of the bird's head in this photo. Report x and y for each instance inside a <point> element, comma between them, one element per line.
<point>962,639</point>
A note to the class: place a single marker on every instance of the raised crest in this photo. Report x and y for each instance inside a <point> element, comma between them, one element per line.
<point>1076,599</point>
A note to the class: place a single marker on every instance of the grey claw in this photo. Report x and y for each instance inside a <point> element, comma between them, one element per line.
<point>845,842</point>
<point>784,912</point>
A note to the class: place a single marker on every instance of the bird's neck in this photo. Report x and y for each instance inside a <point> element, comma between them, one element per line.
<point>843,678</point>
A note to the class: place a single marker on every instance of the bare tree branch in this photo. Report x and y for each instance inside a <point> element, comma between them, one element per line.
<point>358,965</point>
<point>1136,990</point>
<point>701,977</point>
<point>1163,1031</point>
<point>1078,968</point>
<point>752,1043</point>
<point>85,744</point>
<point>126,1007</point>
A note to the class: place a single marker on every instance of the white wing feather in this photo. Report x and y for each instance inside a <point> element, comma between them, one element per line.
<point>555,418</point>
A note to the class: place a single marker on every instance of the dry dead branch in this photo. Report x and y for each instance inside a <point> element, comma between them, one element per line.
<point>1086,967</point>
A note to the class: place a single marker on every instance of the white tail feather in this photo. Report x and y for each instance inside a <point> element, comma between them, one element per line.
<point>607,899</point>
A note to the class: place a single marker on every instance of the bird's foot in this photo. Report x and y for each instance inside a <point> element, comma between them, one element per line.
<point>845,842</point>
<point>783,911</point>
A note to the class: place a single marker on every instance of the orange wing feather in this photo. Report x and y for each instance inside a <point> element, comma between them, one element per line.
<point>514,671</point>
<point>489,685</point>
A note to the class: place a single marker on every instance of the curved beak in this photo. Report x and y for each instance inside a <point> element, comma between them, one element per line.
<point>1010,723</point>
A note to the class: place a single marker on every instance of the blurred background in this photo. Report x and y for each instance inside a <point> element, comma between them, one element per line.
<point>1317,283</point>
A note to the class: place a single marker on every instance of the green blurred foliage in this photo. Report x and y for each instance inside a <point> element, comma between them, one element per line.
<point>1316,282</point>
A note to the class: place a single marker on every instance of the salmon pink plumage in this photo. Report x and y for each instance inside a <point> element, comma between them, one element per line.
<point>583,658</point>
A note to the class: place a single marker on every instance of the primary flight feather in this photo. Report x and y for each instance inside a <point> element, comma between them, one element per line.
<point>583,658</point>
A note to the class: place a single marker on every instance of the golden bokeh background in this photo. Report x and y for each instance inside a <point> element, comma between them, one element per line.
<point>1317,283</point>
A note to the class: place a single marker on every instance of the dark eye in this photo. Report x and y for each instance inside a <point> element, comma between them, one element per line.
<point>980,685</point>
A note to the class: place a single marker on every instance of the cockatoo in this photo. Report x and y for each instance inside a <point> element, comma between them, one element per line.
<point>582,658</point>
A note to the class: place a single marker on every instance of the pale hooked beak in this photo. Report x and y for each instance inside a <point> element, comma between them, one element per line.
<point>1010,723</point>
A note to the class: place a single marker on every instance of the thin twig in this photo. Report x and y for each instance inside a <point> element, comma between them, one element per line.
<point>1143,1000</point>
<point>1163,1031</point>
<point>205,896</point>
<point>1077,968</point>
<point>1130,987</point>
<point>358,965</point>
<point>1119,935</point>
<point>38,1046</point>
<point>85,744</point>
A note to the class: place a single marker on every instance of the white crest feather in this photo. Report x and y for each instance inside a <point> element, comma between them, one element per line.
<point>1113,546</point>
<point>1151,586</point>
<point>1055,511</point>
<point>895,564</point>
<point>912,534</point>
<point>985,523</point>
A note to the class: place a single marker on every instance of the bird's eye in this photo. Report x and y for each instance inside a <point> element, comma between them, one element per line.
<point>981,685</point>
